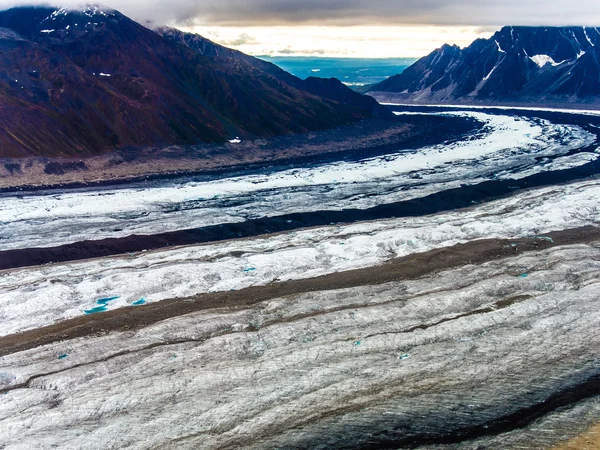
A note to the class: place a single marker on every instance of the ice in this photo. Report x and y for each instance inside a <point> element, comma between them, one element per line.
<point>560,163</point>
<point>218,383</point>
<point>39,296</point>
<point>590,112</point>
<point>511,147</point>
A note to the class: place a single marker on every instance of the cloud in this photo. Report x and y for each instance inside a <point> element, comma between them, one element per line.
<point>290,51</point>
<point>483,13</point>
<point>367,41</point>
<point>242,39</point>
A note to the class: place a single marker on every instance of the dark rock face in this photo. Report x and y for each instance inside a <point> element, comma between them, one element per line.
<point>80,82</point>
<point>517,64</point>
<point>332,89</point>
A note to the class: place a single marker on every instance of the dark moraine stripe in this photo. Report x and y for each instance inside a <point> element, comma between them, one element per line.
<point>448,200</point>
<point>435,203</point>
<point>405,268</point>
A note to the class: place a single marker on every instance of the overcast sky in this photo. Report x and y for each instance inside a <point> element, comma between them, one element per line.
<point>340,25</point>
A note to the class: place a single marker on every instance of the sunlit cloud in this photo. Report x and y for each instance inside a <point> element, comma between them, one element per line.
<point>372,41</point>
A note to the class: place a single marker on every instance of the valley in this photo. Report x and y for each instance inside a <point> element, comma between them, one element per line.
<point>399,292</point>
<point>201,250</point>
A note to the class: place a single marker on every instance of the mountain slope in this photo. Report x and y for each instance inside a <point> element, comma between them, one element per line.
<point>332,88</point>
<point>79,82</point>
<point>517,64</point>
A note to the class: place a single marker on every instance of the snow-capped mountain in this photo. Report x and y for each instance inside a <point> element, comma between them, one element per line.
<point>83,81</point>
<point>517,64</point>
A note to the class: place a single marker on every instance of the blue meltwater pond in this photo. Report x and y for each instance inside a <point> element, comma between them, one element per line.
<point>102,305</point>
<point>95,310</point>
<point>104,301</point>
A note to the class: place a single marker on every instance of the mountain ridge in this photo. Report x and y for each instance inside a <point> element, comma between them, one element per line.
<point>330,88</point>
<point>517,64</point>
<point>83,82</point>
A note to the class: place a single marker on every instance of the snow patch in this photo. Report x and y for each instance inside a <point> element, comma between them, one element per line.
<point>91,11</point>
<point>542,60</point>
<point>587,37</point>
<point>499,48</point>
<point>58,12</point>
<point>46,31</point>
<point>487,77</point>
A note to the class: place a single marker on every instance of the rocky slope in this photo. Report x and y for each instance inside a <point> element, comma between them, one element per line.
<point>79,82</point>
<point>517,64</point>
<point>331,88</point>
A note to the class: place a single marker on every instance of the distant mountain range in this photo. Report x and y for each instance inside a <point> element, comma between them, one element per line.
<point>80,82</point>
<point>517,64</point>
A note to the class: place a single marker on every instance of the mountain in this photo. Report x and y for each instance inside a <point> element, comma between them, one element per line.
<point>330,88</point>
<point>517,64</point>
<point>206,47</point>
<point>81,82</point>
